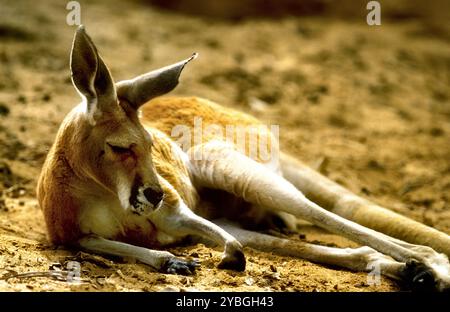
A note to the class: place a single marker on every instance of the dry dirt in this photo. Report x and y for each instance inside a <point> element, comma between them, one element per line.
<point>368,106</point>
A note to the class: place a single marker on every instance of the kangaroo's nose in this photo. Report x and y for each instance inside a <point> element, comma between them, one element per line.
<point>153,196</point>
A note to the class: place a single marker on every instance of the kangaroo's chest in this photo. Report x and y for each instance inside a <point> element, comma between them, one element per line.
<point>106,218</point>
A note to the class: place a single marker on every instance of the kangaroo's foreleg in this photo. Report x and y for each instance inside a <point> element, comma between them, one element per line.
<point>221,167</point>
<point>178,220</point>
<point>162,261</point>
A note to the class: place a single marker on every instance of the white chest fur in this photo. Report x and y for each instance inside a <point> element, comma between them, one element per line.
<point>102,217</point>
<point>107,218</point>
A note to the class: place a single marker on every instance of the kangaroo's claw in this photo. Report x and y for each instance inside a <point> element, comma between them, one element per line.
<point>180,266</point>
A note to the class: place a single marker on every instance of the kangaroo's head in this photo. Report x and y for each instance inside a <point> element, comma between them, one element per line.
<point>115,149</point>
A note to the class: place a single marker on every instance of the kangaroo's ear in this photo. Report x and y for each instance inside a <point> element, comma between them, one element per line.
<point>141,89</point>
<point>91,76</point>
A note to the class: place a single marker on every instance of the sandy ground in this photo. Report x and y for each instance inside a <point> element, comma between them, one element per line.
<point>368,106</point>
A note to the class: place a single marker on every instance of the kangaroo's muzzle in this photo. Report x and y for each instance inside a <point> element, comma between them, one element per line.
<point>145,198</point>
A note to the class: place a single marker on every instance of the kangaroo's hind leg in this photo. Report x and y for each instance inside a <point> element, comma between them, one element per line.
<point>222,167</point>
<point>362,259</point>
<point>341,201</point>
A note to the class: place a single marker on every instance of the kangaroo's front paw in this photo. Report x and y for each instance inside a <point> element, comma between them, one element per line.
<point>180,266</point>
<point>234,260</point>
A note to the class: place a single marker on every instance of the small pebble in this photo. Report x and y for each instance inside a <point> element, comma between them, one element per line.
<point>249,281</point>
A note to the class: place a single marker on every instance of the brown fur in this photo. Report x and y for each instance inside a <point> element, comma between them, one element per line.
<point>171,168</point>
<point>60,219</point>
<point>144,236</point>
<point>165,113</point>
<point>55,186</point>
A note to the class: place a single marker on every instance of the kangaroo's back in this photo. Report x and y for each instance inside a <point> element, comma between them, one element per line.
<point>165,113</point>
<point>190,121</point>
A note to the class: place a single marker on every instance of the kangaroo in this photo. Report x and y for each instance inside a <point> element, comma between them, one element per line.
<point>115,182</point>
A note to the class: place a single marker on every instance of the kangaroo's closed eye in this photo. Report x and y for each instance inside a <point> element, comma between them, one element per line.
<point>119,149</point>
